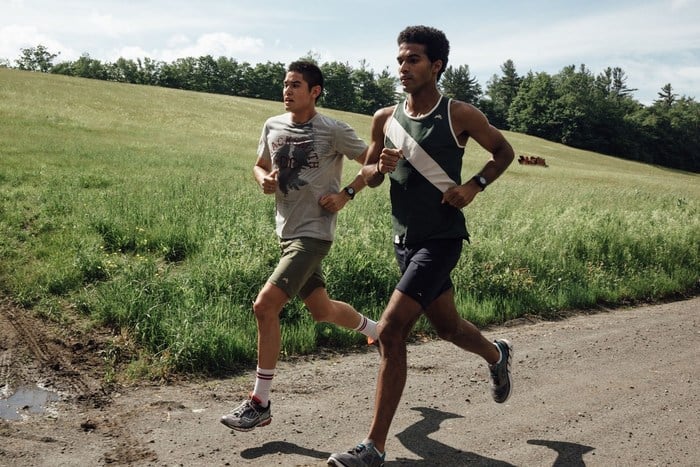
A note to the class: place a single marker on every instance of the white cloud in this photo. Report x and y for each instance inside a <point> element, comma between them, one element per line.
<point>178,40</point>
<point>130,52</point>
<point>107,24</point>
<point>617,33</point>
<point>215,44</point>
<point>13,38</point>
<point>680,4</point>
<point>691,73</point>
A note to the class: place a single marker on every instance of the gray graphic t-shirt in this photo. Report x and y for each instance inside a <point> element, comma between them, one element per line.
<point>309,157</point>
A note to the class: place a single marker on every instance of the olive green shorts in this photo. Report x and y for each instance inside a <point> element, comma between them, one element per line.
<point>299,269</point>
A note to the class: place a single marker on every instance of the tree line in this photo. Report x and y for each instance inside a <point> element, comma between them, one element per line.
<point>573,107</point>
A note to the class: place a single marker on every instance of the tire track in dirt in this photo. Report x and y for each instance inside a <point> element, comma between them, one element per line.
<point>36,353</point>
<point>47,358</point>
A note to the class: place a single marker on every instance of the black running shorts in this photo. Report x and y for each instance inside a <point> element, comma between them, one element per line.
<point>426,268</point>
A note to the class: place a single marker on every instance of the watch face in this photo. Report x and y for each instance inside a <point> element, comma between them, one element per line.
<point>481,181</point>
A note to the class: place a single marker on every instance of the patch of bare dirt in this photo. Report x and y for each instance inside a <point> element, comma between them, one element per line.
<point>34,351</point>
<point>618,387</point>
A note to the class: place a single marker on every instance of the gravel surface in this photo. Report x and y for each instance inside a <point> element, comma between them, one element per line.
<point>616,387</point>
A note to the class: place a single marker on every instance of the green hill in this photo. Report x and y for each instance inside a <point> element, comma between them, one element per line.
<point>135,207</point>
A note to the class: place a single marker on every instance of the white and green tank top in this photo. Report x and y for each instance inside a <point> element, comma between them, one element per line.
<point>432,163</point>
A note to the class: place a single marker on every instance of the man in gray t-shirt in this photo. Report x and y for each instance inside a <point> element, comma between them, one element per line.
<point>308,158</point>
<point>300,161</point>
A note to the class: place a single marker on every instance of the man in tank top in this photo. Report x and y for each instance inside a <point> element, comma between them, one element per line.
<point>420,143</point>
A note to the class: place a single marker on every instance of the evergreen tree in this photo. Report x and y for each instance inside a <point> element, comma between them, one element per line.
<point>666,96</point>
<point>458,83</point>
<point>501,92</point>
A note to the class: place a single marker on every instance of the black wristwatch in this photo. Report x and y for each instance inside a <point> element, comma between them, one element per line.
<point>350,191</point>
<point>481,181</point>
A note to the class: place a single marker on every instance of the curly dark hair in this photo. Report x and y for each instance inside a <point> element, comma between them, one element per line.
<point>437,47</point>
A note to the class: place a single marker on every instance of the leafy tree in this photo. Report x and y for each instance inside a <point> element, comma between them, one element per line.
<point>671,132</point>
<point>149,71</point>
<point>532,109</point>
<point>231,79</point>
<point>87,67</point>
<point>339,92</point>
<point>265,80</point>
<point>369,96</point>
<point>575,107</point>
<point>177,74</point>
<point>357,90</point>
<point>458,83</point>
<point>124,71</point>
<point>206,74</point>
<point>63,68</point>
<point>365,88</point>
<point>684,140</point>
<point>36,59</point>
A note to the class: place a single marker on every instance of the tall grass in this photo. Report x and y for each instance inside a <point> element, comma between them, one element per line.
<point>136,207</point>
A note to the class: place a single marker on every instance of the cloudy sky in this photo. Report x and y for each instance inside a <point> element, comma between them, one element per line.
<point>654,41</point>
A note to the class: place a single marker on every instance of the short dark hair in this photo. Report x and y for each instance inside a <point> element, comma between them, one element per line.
<point>310,71</point>
<point>437,47</point>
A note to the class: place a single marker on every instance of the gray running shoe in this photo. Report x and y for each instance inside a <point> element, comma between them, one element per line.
<point>250,414</point>
<point>501,384</point>
<point>362,455</point>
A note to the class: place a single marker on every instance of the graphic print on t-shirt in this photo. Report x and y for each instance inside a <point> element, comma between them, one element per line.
<point>291,154</point>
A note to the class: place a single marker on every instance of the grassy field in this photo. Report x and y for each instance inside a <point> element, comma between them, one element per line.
<point>135,207</point>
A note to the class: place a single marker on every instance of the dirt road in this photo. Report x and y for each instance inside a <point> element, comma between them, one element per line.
<point>613,388</point>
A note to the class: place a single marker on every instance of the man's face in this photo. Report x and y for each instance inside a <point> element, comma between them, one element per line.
<point>296,95</point>
<point>415,69</point>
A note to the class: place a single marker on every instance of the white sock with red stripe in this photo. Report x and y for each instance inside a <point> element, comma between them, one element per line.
<point>263,383</point>
<point>367,327</point>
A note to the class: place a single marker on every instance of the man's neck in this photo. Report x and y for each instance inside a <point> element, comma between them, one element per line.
<point>421,103</point>
<point>299,118</point>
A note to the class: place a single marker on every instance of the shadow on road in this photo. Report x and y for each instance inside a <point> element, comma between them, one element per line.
<point>416,439</point>
<point>568,454</point>
<point>282,447</point>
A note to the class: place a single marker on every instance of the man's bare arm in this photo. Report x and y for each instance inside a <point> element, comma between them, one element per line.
<point>373,171</point>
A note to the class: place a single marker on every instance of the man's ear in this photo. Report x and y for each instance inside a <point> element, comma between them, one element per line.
<point>437,66</point>
<point>316,91</point>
